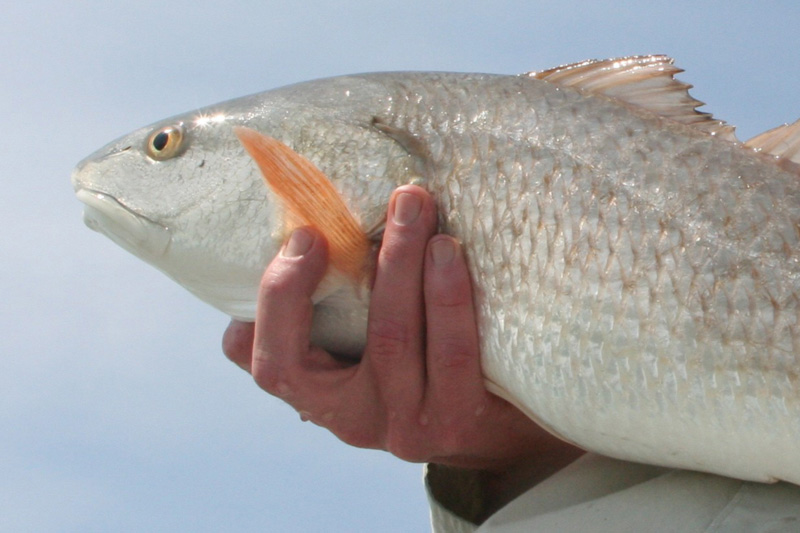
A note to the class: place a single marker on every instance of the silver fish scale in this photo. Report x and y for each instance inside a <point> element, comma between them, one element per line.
<point>636,280</point>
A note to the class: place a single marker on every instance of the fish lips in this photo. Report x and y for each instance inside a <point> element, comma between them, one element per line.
<point>137,234</point>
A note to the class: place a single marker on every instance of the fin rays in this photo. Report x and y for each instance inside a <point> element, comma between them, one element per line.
<point>310,199</point>
<point>782,142</point>
<point>646,82</point>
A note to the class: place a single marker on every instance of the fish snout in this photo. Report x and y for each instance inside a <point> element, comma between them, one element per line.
<point>137,234</point>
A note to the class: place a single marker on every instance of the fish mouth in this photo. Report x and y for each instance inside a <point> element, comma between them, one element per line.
<point>136,233</point>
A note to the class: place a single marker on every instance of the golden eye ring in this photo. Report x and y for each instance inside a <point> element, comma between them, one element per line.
<point>165,143</point>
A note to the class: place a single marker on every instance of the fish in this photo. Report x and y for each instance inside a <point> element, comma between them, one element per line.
<point>636,268</point>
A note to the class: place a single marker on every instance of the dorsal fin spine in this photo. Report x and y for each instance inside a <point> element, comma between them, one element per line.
<point>646,82</point>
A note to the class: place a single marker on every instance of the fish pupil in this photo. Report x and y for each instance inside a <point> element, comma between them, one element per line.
<point>160,141</point>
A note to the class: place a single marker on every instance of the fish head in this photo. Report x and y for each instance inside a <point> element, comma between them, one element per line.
<point>177,194</point>
<point>185,196</point>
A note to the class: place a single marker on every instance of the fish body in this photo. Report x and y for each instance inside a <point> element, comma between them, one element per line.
<point>636,271</point>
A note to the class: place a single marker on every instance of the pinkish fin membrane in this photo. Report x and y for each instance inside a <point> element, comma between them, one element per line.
<point>782,142</point>
<point>646,82</point>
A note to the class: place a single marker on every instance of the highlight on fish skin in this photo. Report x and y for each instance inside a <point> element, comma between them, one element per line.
<point>636,267</point>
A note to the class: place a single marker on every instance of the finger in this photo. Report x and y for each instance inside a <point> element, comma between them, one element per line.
<point>284,313</point>
<point>455,382</point>
<point>396,322</point>
<point>284,363</point>
<point>237,343</point>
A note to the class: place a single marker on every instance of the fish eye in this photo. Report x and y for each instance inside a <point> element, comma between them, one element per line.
<point>165,143</point>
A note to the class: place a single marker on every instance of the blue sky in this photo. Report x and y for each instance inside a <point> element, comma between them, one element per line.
<point>118,411</point>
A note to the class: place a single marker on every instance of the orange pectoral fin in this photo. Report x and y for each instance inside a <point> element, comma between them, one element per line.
<point>310,199</point>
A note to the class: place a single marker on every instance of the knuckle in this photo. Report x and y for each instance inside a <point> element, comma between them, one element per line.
<point>271,377</point>
<point>273,282</point>
<point>395,252</point>
<point>403,249</point>
<point>237,344</point>
<point>233,349</point>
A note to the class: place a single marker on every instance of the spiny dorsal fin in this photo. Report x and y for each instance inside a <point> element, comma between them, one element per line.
<point>782,142</point>
<point>310,200</point>
<point>643,81</point>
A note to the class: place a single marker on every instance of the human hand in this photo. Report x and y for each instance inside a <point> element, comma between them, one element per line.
<point>418,391</point>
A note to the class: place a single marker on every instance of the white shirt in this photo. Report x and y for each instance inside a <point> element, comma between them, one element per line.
<point>598,494</point>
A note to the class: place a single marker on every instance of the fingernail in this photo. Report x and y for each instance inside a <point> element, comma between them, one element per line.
<point>406,208</point>
<point>443,251</point>
<point>299,243</point>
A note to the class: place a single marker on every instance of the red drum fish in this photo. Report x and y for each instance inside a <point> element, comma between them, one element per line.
<point>636,268</point>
